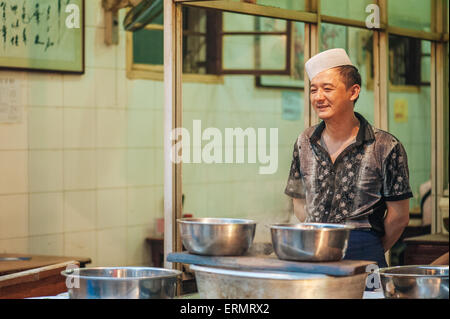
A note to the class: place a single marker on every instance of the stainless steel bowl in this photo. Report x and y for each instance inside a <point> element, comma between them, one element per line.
<point>310,241</point>
<point>221,283</point>
<point>415,282</point>
<point>121,283</point>
<point>217,236</point>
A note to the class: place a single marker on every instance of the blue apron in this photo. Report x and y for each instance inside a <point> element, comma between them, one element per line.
<point>365,244</point>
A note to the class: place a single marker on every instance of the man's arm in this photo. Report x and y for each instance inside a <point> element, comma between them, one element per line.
<point>442,260</point>
<point>397,218</point>
<point>299,209</point>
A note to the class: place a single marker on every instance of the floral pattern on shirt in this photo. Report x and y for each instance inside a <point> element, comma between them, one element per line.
<point>367,173</point>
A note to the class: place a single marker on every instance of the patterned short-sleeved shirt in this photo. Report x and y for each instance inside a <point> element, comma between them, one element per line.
<point>355,188</point>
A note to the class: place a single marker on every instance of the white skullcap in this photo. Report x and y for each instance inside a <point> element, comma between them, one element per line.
<point>326,60</point>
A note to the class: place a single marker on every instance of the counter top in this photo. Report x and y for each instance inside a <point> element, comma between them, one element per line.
<point>429,239</point>
<point>35,261</point>
<point>272,263</point>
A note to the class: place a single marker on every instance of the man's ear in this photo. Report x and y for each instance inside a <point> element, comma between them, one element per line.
<point>354,90</point>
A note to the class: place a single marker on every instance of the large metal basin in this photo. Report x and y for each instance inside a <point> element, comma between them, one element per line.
<point>415,282</point>
<point>217,236</point>
<point>121,283</point>
<point>310,241</point>
<point>220,283</point>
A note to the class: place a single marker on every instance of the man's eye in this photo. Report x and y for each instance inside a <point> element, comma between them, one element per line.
<point>313,91</point>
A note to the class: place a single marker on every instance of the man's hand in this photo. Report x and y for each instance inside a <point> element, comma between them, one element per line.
<point>397,218</point>
<point>299,209</point>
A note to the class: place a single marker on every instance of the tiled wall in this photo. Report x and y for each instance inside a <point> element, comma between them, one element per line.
<point>415,135</point>
<point>238,190</point>
<point>81,173</point>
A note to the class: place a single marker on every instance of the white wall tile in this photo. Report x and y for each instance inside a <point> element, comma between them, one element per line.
<point>14,246</point>
<point>94,16</point>
<point>197,96</point>
<point>158,133</point>
<point>46,213</point>
<point>112,247</point>
<point>80,169</point>
<point>111,128</point>
<point>45,127</point>
<point>20,82</point>
<point>13,136</point>
<point>98,54</point>
<point>138,251</point>
<point>158,166</point>
<point>79,90</point>
<point>80,211</point>
<point>195,172</point>
<point>81,244</point>
<point>45,89</point>
<point>195,201</point>
<point>121,50</point>
<point>111,168</point>
<point>141,206</point>
<point>141,94</point>
<point>111,207</point>
<point>45,170</point>
<point>13,216</point>
<point>122,13</point>
<point>52,245</point>
<point>122,89</point>
<point>158,97</point>
<point>158,197</point>
<point>79,128</point>
<point>105,88</point>
<point>141,167</point>
<point>218,199</point>
<point>140,128</point>
<point>13,172</point>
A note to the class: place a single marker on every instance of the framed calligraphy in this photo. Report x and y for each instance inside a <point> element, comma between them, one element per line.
<point>42,35</point>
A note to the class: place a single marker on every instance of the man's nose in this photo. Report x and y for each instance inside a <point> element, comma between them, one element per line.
<point>319,95</point>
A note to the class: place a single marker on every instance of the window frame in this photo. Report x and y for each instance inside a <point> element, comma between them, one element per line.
<point>135,71</point>
<point>312,19</point>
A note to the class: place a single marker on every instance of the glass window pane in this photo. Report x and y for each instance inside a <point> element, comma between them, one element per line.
<point>238,52</point>
<point>410,121</point>
<point>263,51</point>
<point>406,57</point>
<point>194,40</point>
<point>254,52</point>
<point>233,22</point>
<point>348,9</point>
<point>238,189</point>
<point>148,46</point>
<point>296,80</point>
<point>411,14</point>
<point>194,54</point>
<point>358,44</point>
<point>283,4</point>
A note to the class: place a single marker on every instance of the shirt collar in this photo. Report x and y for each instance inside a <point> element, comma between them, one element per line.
<point>365,132</point>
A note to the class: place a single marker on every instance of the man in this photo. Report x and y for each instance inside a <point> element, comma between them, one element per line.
<point>346,171</point>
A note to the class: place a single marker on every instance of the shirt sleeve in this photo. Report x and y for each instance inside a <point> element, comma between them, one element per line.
<point>294,187</point>
<point>396,175</point>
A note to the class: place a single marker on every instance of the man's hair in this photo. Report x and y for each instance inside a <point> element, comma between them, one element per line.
<point>350,76</point>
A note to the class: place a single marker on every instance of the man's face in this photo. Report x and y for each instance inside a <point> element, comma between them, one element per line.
<point>329,95</point>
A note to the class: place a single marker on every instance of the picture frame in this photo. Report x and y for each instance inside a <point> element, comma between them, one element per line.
<point>42,35</point>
